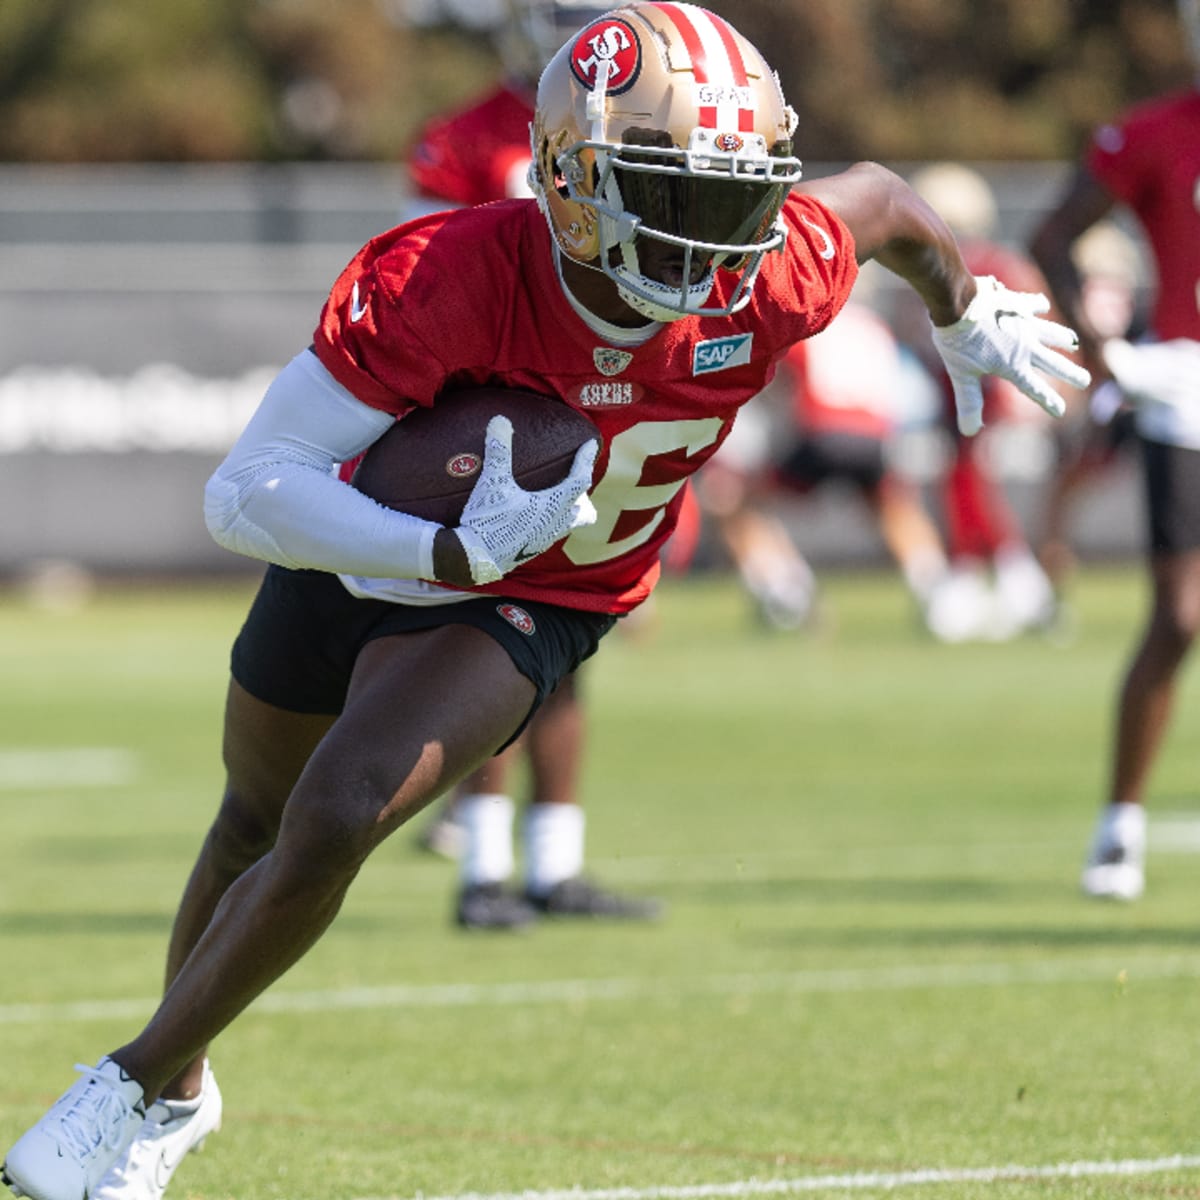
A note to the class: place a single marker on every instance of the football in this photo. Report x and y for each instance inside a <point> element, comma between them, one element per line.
<point>429,461</point>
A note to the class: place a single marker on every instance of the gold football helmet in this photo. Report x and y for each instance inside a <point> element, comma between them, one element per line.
<point>662,153</point>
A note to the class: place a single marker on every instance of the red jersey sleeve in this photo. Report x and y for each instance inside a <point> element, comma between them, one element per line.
<point>821,260</point>
<point>478,154</point>
<point>419,308</point>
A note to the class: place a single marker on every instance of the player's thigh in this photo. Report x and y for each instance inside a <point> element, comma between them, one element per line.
<point>423,710</point>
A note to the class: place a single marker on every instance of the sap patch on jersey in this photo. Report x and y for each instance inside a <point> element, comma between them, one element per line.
<point>719,354</point>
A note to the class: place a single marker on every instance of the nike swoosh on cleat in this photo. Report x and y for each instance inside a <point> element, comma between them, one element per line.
<point>164,1168</point>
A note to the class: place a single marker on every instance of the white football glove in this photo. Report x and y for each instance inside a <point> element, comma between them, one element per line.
<point>1163,372</point>
<point>503,525</point>
<point>1002,334</point>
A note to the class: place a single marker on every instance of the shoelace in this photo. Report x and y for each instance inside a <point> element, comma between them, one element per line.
<point>95,1118</point>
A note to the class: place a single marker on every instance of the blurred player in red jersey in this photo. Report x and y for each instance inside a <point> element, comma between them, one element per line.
<point>474,156</point>
<point>1149,161</point>
<point>665,267</point>
<point>830,415</point>
<point>480,152</point>
<point>996,588</point>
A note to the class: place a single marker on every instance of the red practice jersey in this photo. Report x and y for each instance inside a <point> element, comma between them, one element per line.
<point>478,154</point>
<point>1150,160</point>
<point>471,296</point>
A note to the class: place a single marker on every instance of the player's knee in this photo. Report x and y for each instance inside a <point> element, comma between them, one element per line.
<point>242,832</point>
<point>1174,628</point>
<point>333,824</point>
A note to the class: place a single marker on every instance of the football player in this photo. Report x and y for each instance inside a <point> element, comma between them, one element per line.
<point>995,588</point>
<point>829,415</point>
<point>1147,160</point>
<point>666,264</point>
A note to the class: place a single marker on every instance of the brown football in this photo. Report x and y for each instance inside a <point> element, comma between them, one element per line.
<point>429,461</point>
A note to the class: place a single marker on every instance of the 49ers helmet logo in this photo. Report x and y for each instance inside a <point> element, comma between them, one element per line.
<point>612,41</point>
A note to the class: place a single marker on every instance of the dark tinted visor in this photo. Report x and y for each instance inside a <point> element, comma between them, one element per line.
<point>727,212</point>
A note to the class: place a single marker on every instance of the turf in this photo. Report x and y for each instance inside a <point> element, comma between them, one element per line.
<point>875,975</point>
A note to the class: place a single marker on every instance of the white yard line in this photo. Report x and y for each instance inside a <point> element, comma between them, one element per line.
<point>856,1181</point>
<point>24,768</point>
<point>1129,972</point>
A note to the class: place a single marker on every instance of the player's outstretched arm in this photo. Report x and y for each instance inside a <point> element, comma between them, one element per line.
<point>980,327</point>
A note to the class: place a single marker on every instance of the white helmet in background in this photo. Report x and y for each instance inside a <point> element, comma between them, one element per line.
<point>660,123</point>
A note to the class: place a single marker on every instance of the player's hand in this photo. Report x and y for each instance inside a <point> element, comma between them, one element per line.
<point>1002,333</point>
<point>1165,372</point>
<point>503,525</point>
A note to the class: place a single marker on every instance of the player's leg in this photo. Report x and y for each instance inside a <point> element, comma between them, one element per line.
<point>554,744</point>
<point>1115,865</point>
<point>555,821</point>
<point>1148,691</point>
<point>909,532</point>
<point>265,749</point>
<point>770,566</point>
<point>485,812</point>
<point>423,710</point>
<point>402,743</point>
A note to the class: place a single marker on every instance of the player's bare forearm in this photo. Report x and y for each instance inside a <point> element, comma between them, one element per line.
<point>1083,204</point>
<point>450,563</point>
<point>894,226</point>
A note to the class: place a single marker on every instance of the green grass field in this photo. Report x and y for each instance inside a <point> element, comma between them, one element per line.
<point>875,975</point>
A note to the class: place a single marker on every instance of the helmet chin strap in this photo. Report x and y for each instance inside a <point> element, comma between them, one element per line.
<point>640,303</point>
<point>642,293</point>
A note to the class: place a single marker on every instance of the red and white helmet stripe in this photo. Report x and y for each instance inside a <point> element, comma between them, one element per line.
<point>724,96</point>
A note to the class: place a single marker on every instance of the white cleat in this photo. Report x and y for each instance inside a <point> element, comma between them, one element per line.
<point>171,1131</point>
<point>1116,864</point>
<point>68,1151</point>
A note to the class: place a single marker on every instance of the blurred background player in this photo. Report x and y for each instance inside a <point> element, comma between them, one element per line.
<point>1149,161</point>
<point>995,589</point>
<point>829,415</point>
<point>473,156</point>
<point>1097,434</point>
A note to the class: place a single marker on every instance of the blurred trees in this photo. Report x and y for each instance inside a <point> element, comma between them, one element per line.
<point>211,80</point>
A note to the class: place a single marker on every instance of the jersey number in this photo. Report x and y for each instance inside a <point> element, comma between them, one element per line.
<point>619,491</point>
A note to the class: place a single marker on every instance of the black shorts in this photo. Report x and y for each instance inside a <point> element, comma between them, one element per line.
<point>1172,497</point>
<point>819,457</point>
<point>304,632</point>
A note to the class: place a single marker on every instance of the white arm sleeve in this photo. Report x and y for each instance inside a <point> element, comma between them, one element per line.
<point>276,496</point>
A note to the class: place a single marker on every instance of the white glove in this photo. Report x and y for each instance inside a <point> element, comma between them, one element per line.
<point>1164,372</point>
<point>1002,334</point>
<point>503,525</point>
